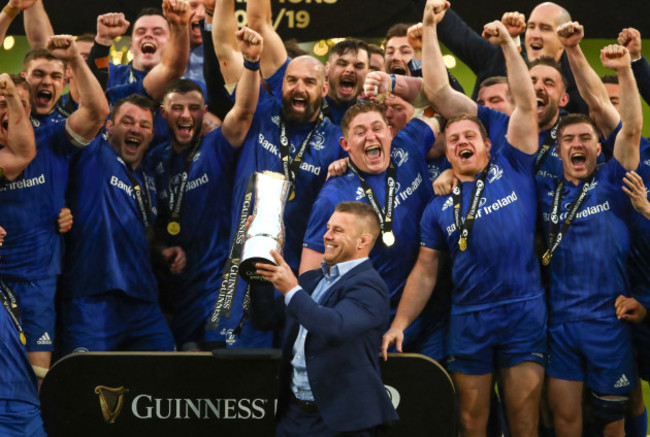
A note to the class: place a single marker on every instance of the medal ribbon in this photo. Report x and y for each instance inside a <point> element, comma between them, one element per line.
<point>144,204</point>
<point>385,215</point>
<point>290,166</point>
<point>555,237</point>
<point>176,196</point>
<point>11,304</point>
<point>465,225</point>
<point>544,149</point>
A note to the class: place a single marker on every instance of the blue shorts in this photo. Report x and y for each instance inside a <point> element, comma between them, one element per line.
<point>20,419</point>
<point>641,341</point>
<point>37,313</point>
<point>499,337</point>
<point>598,352</point>
<point>114,322</point>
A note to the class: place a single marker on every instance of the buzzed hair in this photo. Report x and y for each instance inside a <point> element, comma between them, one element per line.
<point>493,80</point>
<point>368,223</point>
<point>374,49</point>
<point>571,119</point>
<point>86,37</point>
<point>549,62</point>
<point>360,108</point>
<point>470,117</point>
<point>564,16</point>
<point>183,86</point>
<point>318,64</point>
<point>150,11</point>
<point>349,45</point>
<point>137,100</point>
<point>41,54</point>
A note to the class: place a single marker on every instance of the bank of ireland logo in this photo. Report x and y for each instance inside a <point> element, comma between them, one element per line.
<point>393,395</point>
<point>111,401</point>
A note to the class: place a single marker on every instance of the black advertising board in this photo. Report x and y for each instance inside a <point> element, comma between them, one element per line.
<point>204,394</point>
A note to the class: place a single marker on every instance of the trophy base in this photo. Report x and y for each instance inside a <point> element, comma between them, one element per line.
<point>248,271</point>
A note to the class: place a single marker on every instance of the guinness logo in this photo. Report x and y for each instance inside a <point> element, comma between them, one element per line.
<point>111,400</point>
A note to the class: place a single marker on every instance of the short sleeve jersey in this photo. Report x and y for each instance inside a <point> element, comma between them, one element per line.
<point>30,205</point>
<point>205,211</point>
<point>588,269</point>
<point>499,264</point>
<point>116,256</point>
<point>261,151</point>
<point>394,262</point>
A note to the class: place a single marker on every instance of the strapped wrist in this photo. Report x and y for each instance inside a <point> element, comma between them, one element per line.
<point>11,11</point>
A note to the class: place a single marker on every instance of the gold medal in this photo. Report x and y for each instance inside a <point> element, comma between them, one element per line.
<point>23,340</point>
<point>462,243</point>
<point>388,238</point>
<point>173,228</point>
<point>292,195</point>
<point>546,259</point>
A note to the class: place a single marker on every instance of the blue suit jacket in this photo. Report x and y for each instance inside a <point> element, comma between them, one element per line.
<point>342,345</point>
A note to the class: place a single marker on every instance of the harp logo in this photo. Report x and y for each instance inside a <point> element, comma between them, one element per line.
<point>111,399</point>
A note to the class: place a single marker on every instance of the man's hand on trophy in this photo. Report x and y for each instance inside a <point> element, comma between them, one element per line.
<point>280,275</point>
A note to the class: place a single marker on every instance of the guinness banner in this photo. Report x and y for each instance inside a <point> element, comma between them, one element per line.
<point>225,393</point>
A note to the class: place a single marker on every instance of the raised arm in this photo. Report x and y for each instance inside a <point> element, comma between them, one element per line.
<point>630,38</point>
<point>239,118</point>
<point>83,124</point>
<point>11,11</point>
<point>226,46</point>
<point>417,291</point>
<point>626,146</point>
<point>177,52</point>
<point>20,146</point>
<point>109,27</point>
<point>442,96</point>
<point>37,25</point>
<point>522,129</point>
<point>590,86</point>
<point>258,13</point>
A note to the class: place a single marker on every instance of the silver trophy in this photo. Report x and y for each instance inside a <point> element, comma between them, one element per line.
<point>266,230</point>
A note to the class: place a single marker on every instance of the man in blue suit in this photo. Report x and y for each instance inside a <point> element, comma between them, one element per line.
<point>330,383</point>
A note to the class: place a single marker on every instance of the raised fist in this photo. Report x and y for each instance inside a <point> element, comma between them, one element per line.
<point>434,11</point>
<point>630,38</point>
<point>110,26</point>
<point>414,36</point>
<point>496,33</point>
<point>376,86</point>
<point>7,86</point>
<point>250,44</point>
<point>570,33</point>
<point>515,22</point>
<point>177,12</point>
<point>63,47</point>
<point>615,57</point>
<point>21,5</point>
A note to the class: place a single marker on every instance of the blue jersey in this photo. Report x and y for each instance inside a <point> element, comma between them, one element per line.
<point>17,380</point>
<point>29,208</point>
<point>107,248</point>
<point>58,115</point>
<point>499,264</point>
<point>435,167</point>
<point>122,74</point>
<point>337,110</point>
<point>261,151</point>
<point>205,214</point>
<point>588,269</point>
<point>393,263</point>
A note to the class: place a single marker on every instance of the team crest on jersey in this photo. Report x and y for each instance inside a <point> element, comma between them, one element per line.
<point>360,194</point>
<point>647,162</point>
<point>495,173</point>
<point>318,141</point>
<point>448,203</point>
<point>105,136</point>
<point>160,168</point>
<point>35,122</point>
<point>196,156</point>
<point>400,157</point>
<point>434,172</point>
<point>592,185</point>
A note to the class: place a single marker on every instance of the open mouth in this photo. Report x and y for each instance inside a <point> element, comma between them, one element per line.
<point>465,154</point>
<point>148,48</point>
<point>196,26</point>
<point>397,69</point>
<point>5,125</point>
<point>299,103</point>
<point>132,144</point>
<point>373,152</point>
<point>44,97</point>
<point>578,159</point>
<point>185,128</point>
<point>347,85</point>
<point>536,46</point>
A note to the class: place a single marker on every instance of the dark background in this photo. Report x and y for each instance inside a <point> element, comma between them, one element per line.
<point>366,18</point>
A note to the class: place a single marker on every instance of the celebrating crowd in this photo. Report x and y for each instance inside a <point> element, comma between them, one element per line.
<point>507,234</point>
